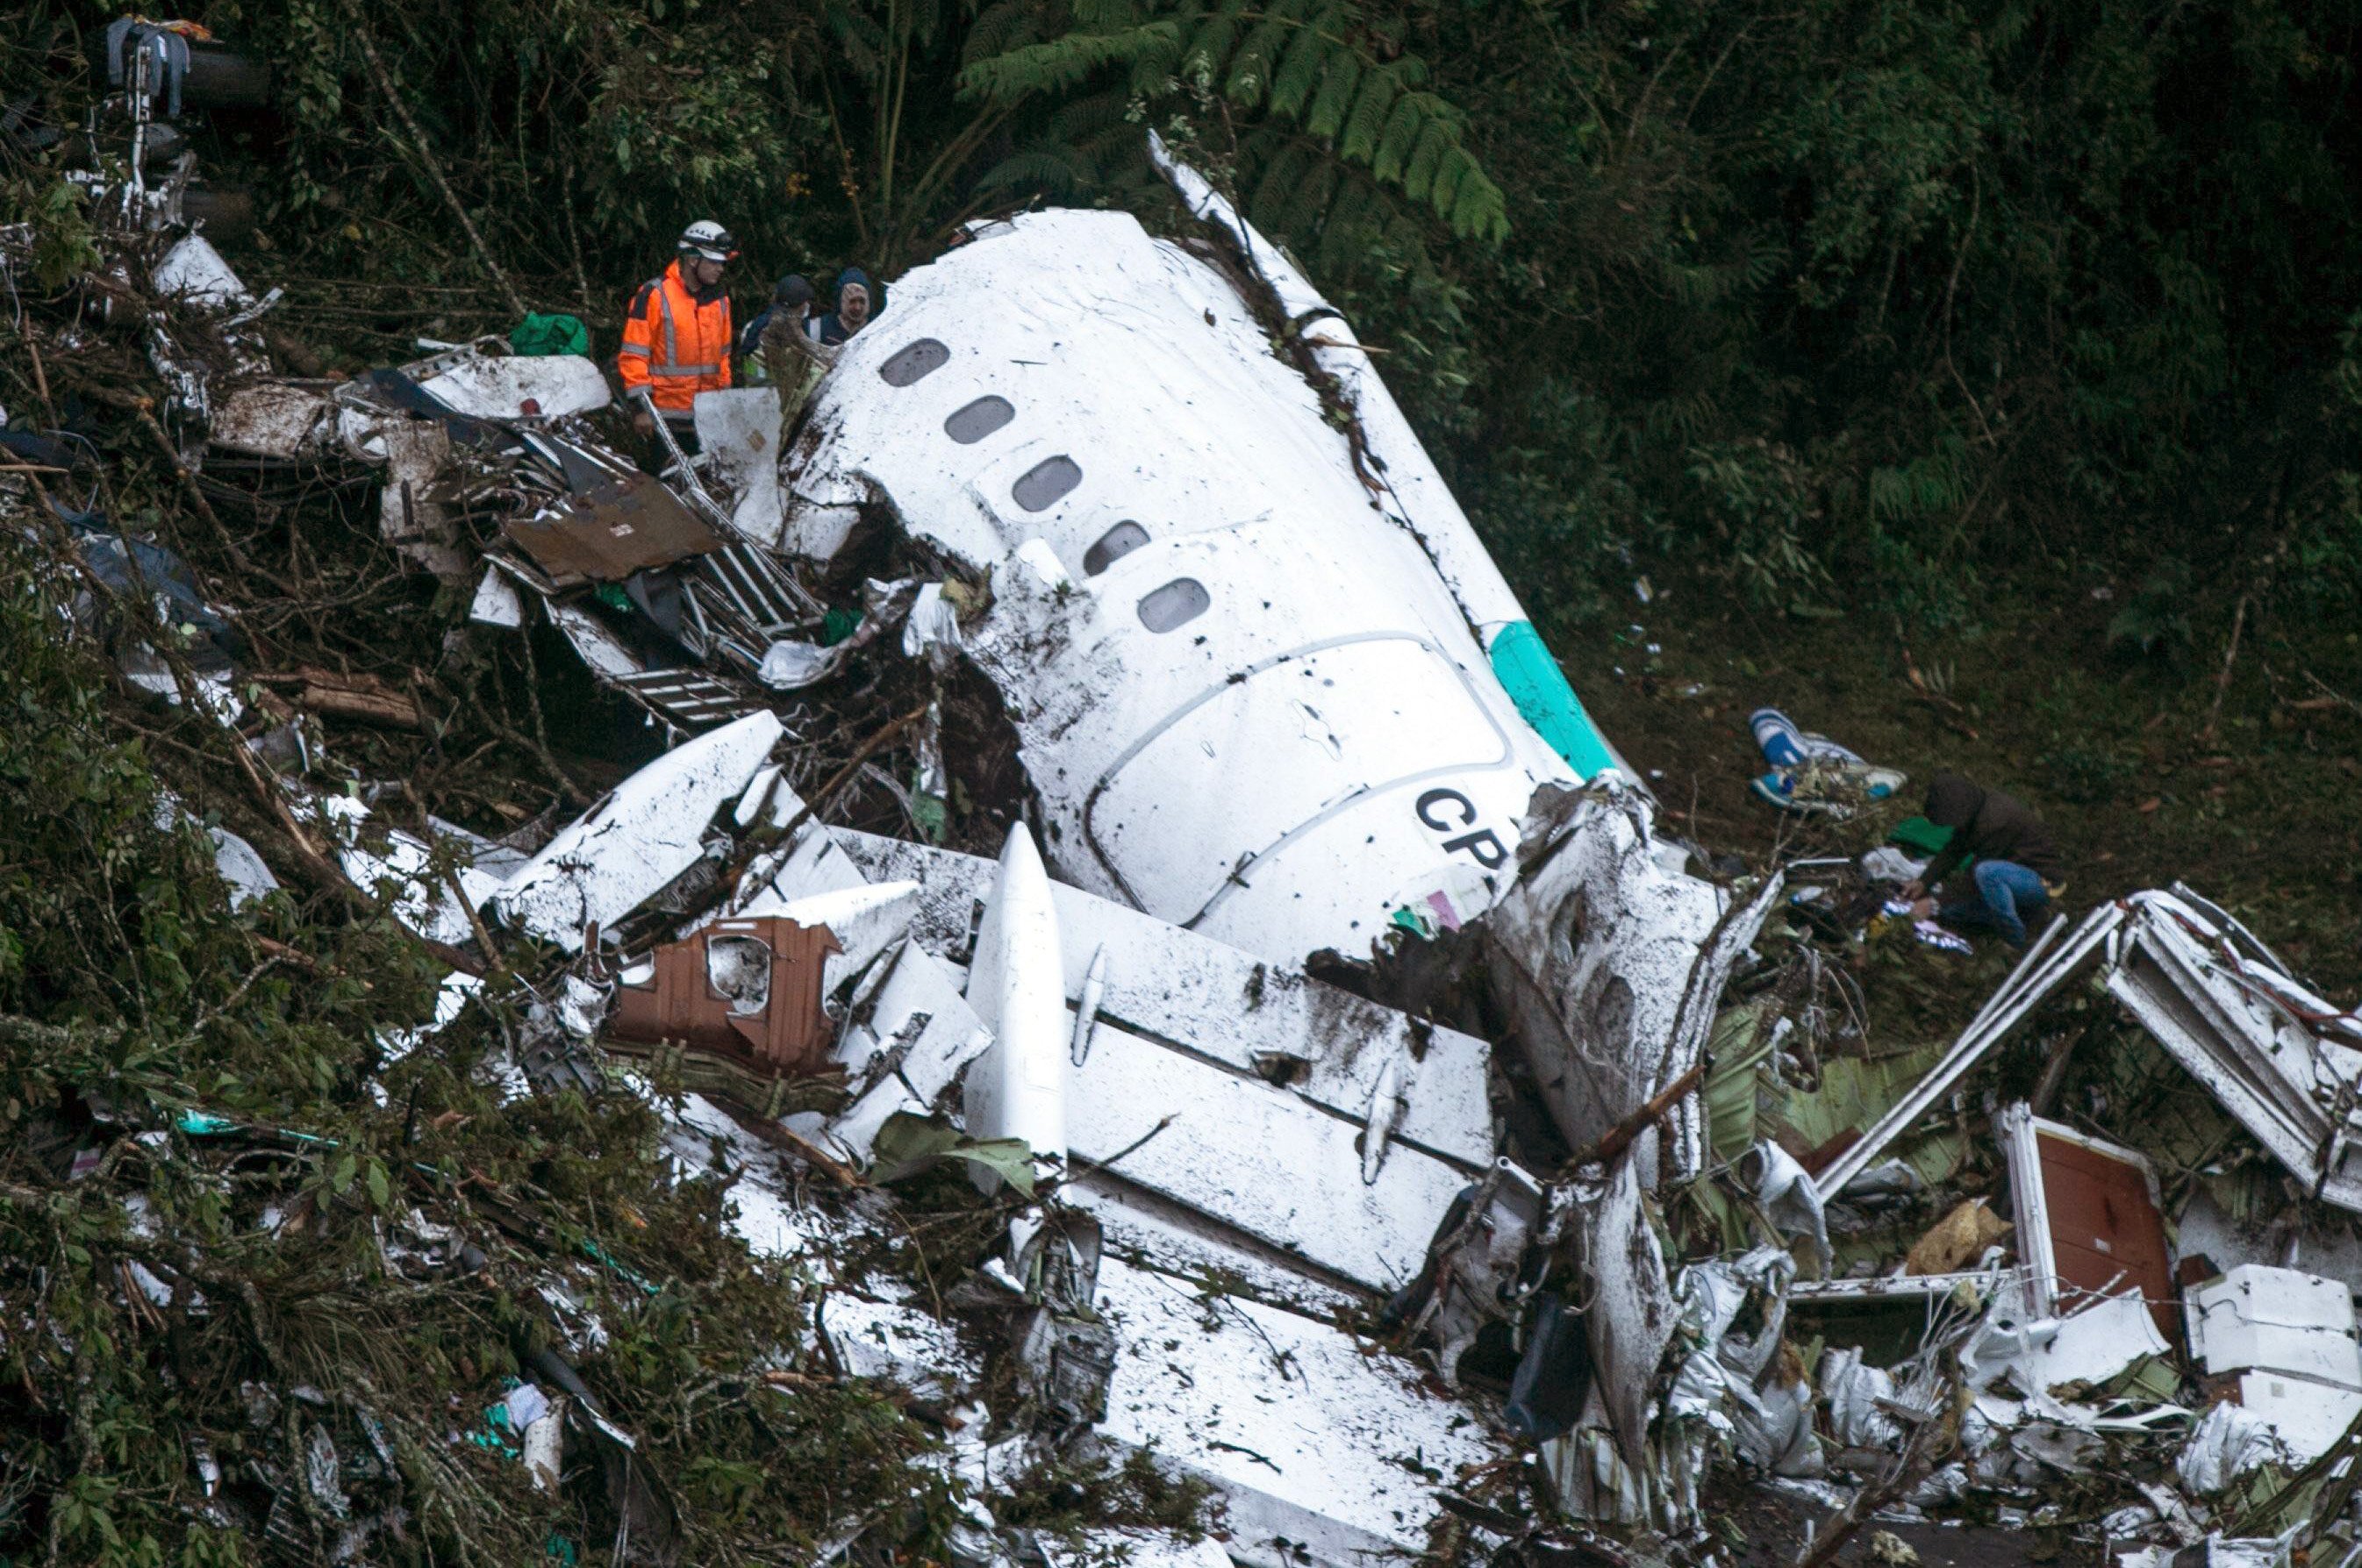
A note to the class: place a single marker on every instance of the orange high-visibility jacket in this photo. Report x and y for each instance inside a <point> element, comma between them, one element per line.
<point>673,346</point>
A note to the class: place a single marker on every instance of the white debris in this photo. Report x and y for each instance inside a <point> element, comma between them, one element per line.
<point>2228,1442</point>
<point>738,441</point>
<point>2289,1339</point>
<point>195,272</point>
<point>628,846</point>
<point>483,385</point>
<point>1017,1089</point>
<point>1309,1440</point>
<point>497,603</point>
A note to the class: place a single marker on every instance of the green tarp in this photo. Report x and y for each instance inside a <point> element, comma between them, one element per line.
<point>538,334</point>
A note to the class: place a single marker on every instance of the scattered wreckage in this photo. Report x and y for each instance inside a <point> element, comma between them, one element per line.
<point>1294,762</point>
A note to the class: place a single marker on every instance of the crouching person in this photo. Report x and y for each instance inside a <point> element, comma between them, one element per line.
<point>2016,871</point>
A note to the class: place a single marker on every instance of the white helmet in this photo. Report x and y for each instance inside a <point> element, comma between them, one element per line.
<point>709,239</point>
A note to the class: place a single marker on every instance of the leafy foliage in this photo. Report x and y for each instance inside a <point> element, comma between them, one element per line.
<point>1328,67</point>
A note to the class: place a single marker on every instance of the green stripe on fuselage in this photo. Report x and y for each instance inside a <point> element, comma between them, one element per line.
<point>1539,688</point>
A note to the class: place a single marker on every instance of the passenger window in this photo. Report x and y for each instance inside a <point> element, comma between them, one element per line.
<point>1176,603</point>
<point>1113,546</point>
<point>914,362</point>
<point>978,419</point>
<point>1038,487</point>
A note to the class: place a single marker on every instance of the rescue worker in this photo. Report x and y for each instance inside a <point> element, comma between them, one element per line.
<point>677,335</point>
<point>853,303</point>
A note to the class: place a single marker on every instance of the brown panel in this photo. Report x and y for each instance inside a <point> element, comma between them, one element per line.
<point>618,526</point>
<point>789,1034</point>
<point>2102,1224</point>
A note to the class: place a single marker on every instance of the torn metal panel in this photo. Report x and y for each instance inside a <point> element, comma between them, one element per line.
<point>274,419</point>
<point>1473,1267</point>
<point>2282,1343</point>
<point>1595,950</point>
<point>411,513</point>
<point>738,436</point>
<point>496,601</point>
<point>2297,1091</point>
<point>1318,1449</point>
<point>746,988</point>
<point>194,272</point>
<point>2275,1320</point>
<point>1206,997</point>
<point>652,828</point>
<point>686,699</point>
<point>620,525</point>
<point>483,381</point>
<point>906,1046</point>
<point>868,921</point>
<point>2088,1221</point>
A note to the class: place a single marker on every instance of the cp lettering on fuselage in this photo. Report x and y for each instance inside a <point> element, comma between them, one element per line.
<point>1447,812</point>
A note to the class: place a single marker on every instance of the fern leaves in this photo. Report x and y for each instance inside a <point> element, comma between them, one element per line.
<point>1317,64</point>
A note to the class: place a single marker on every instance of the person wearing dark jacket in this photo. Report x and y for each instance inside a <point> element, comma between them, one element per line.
<point>791,299</point>
<point>856,299</point>
<point>2017,872</point>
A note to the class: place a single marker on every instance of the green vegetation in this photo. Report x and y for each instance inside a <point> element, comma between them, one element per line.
<point>1856,306</point>
<point>1982,381</point>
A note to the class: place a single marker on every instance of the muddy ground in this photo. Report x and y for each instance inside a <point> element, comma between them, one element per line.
<point>2110,744</point>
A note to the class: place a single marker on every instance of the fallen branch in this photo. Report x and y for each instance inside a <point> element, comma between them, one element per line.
<point>2330,696</point>
<point>363,698</point>
<point>2222,676</point>
<point>1620,1137</point>
<point>358,21</point>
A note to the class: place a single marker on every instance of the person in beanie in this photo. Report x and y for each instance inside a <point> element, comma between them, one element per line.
<point>2016,871</point>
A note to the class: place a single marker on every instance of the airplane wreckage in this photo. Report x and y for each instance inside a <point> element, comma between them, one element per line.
<point>1286,762</point>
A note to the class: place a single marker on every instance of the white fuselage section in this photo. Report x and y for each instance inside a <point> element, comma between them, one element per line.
<point>1253,706</point>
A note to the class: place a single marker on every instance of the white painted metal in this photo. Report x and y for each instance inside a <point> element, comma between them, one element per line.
<point>2036,975</point>
<point>1325,742</point>
<point>1018,1088</point>
<point>2295,1090</point>
<point>1267,1020</point>
<point>907,1048</point>
<point>1410,490</point>
<point>497,602</point>
<point>498,386</point>
<point>2275,1320</point>
<point>195,272</point>
<point>1318,1449</point>
<point>603,865</point>
<point>1187,1030</point>
<point>738,441</point>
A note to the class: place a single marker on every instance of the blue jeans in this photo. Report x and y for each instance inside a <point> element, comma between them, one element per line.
<point>2008,896</point>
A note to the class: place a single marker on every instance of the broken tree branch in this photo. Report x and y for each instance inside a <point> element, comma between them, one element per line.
<point>1620,1137</point>
<point>358,21</point>
<point>2222,676</point>
<point>363,698</point>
